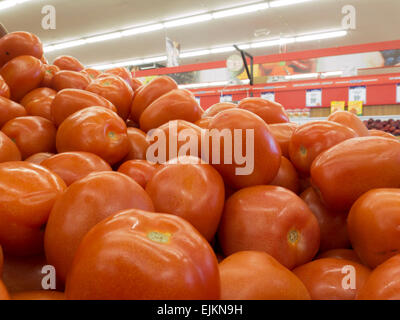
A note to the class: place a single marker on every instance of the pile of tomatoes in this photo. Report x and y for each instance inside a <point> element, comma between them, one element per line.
<point>317,217</point>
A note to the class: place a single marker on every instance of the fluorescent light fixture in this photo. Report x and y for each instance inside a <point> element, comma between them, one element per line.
<point>104,66</point>
<point>281,3</point>
<point>331,74</point>
<point>321,36</point>
<point>272,43</point>
<point>185,21</point>
<point>11,3</point>
<point>244,46</point>
<point>240,10</point>
<point>155,59</point>
<point>222,49</point>
<point>145,29</point>
<point>302,76</point>
<point>195,53</point>
<point>104,37</point>
<point>64,45</point>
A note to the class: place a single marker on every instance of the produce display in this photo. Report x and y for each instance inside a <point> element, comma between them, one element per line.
<point>110,189</point>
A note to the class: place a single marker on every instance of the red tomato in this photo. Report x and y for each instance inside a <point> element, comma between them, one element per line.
<point>31,134</point>
<point>346,171</point>
<point>97,130</point>
<point>177,104</point>
<point>203,122</point>
<point>66,79</point>
<point>68,63</point>
<point>69,101</point>
<point>124,74</point>
<point>17,44</point>
<point>4,89</point>
<point>1,260</point>
<point>73,166</point>
<point>193,191</point>
<point>38,295</point>
<point>261,163</point>
<point>136,84</point>
<point>373,225</point>
<point>282,133</point>
<point>383,283</point>
<point>27,194</point>
<point>380,133</point>
<point>140,256</point>
<point>138,144</point>
<point>149,93</point>
<point>311,139</point>
<point>10,110</point>
<point>92,73</point>
<point>350,120</point>
<point>3,292</point>
<point>49,72</point>
<point>346,254</point>
<point>287,176</point>
<point>270,219</point>
<point>38,102</point>
<point>139,170</point>
<point>252,275</point>
<point>332,224</point>
<point>8,149</point>
<point>114,89</point>
<point>326,279</point>
<point>38,158</point>
<point>44,60</point>
<point>270,111</point>
<point>217,108</point>
<point>22,74</point>
<point>84,204</point>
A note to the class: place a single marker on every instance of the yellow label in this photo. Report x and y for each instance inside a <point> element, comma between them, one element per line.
<point>337,106</point>
<point>356,107</point>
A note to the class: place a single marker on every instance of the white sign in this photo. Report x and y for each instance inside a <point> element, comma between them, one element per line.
<point>197,100</point>
<point>226,98</point>
<point>268,96</point>
<point>234,63</point>
<point>358,94</point>
<point>398,93</point>
<point>314,98</point>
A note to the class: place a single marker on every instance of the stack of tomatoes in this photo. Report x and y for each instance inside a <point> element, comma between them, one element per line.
<point>312,212</point>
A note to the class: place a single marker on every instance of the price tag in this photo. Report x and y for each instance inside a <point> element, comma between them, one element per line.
<point>314,98</point>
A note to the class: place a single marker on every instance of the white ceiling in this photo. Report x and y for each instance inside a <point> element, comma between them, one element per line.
<point>377,20</point>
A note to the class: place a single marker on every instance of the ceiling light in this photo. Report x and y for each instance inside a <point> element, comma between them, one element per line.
<point>185,21</point>
<point>104,37</point>
<point>145,29</point>
<point>195,53</point>
<point>302,76</point>
<point>11,3</point>
<point>104,66</point>
<point>222,49</point>
<point>155,59</point>
<point>272,43</point>
<point>321,36</point>
<point>64,45</point>
<point>240,10</point>
<point>331,74</point>
<point>281,3</point>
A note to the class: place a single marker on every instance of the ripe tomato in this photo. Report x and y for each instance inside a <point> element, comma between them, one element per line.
<point>38,102</point>
<point>346,254</point>
<point>8,149</point>
<point>136,84</point>
<point>31,134</point>
<point>69,101</point>
<point>73,166</point>
<point>217,108</point>
<point>287,176</point>
<point>3,292</point>
<point>114,89</point>
<point>84,204</point>
<point>68,63</point>
<point>139,170</point>
<point>380,133</point>
<point>49,72</point>
<point>193,191</point>
<point>332,224</point>
<point>44,60</point>
<point>262,153</point>
<point>140,255</point>
<point>4,89</point>
<point>271,112</point>
<point>22,74</point>
<point>138,144</point>
<point>350,120</point>
<point>383,283</point>
<point>38,295</point>
<point>173,139</point>
<point>124,74</point>
<point>38,158</point>
<point>92,73</point>
<point>17,44</point>
<point>1,261</point>
<point>270,219</point>
<point>27,194</point>
<point>149,93</point>
<point>327,279</point>
<point>97,130</point>
<point>177,104</point>
<point>66,79</point>
<point>10,110</point>
<point>203,122</point>
<point>252,275</point>
<point>373,225</point>
<point>282,133</point>
<point>311,139</point>
<point>346,171</point>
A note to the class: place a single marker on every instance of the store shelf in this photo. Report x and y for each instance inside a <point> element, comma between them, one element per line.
<point>383,118</point>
